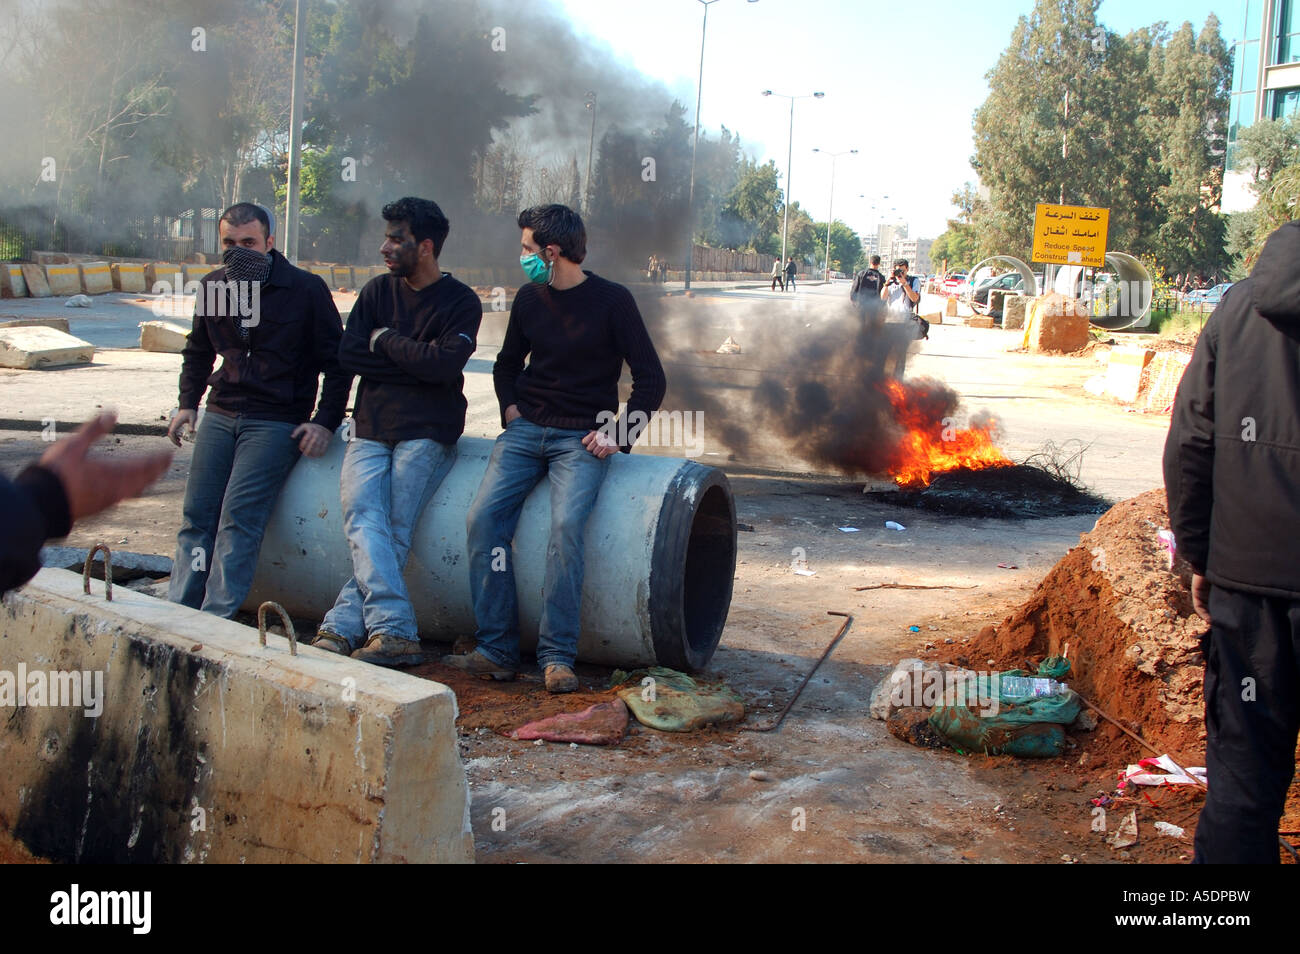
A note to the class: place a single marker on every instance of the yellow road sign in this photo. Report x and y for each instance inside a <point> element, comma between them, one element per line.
<point>1070,235</point>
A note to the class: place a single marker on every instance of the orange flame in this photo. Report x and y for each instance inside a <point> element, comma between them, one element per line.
<point>928,447</point>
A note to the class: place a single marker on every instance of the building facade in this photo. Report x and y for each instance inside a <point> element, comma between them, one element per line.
<point>1265,83</point>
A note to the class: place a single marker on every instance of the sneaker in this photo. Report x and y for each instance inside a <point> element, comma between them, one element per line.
<point>384,650</point>
<point>476,664</point>
<point>560,678</point>
<point>332,643</point>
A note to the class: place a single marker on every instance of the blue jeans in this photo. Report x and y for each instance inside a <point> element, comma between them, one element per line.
<point>384,487</point>
<point>236,473</point>
<point>522,455</point>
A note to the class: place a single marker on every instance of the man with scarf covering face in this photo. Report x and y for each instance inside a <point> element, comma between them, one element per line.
<point>277,330</point>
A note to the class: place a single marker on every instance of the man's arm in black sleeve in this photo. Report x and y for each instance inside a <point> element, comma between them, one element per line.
<point>442,360</point>
<point>197,359</point>
<point>648,381</point>
<point>355,356</point>
<point>1189,453</point>
<point>327,330</point>
<point>510,359</point>
<point>33,509</point>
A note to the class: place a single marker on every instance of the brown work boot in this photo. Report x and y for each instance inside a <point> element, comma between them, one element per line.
<point>560,678</point>
<point>476,664</point>
<point>332,643</point>
<point>384,650</point>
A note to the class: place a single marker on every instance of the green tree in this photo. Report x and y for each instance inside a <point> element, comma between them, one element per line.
<point>751,212</point>
<point>1134,124</point>
<point>1188,118</point>
<point>846,246</point>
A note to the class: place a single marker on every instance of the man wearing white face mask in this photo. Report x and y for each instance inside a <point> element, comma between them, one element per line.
<point>575,329</point>
<point>277,330</point>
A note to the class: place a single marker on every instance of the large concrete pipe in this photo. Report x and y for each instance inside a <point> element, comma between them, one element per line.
<point>1029,283</point>
<point>1114,306</point>
<point>660,556</point>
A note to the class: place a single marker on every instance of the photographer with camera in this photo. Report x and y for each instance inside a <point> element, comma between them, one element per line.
<point>903,294</point>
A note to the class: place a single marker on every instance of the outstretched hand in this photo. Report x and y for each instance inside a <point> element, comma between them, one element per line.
<point>96,483</point>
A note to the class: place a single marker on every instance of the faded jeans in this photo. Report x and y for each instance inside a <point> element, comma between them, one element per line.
<point>383,488</point>
<point>523,454</point>
<point>236,473</point>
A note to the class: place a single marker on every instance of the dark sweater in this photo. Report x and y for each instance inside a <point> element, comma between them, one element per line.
<point>576,341</point>
<point>412,386</point>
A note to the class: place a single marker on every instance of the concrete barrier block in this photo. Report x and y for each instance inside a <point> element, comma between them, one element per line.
<point>323,271</point>
<point>979,321</point>
<point>195,744</point>
<point>35,348</point>
<point>58,324</point>
<point>12,282</point>
<point>96,278</point>
<point>165,336</point>
<point>195,272</point>
<point>63,279</point>
<point>128,277</point>
<point>950,308</point>
<point>1013,312</point>
<point>37,284</point>
<point>163,273</point>
<point>1124,367</point>
<point>341,276</point>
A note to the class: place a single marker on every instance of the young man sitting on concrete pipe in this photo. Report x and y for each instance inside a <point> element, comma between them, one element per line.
<point>277,330</point>
<point>576,329</point>
<point>408,337</point>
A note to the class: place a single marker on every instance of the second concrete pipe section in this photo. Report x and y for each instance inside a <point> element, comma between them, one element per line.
<point>660,556</point>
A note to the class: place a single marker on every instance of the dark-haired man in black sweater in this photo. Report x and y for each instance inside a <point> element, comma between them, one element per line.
<point>408,337</point>
<point>576,329</point>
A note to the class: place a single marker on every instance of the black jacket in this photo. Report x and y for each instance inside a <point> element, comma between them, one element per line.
<point>1232,460</point>
<point>412,383</point>
<point>273,375</point>
<point>33,508</point>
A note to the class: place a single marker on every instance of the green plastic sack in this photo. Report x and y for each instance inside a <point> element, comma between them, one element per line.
<point>674,702</point>
<point>984,718</point>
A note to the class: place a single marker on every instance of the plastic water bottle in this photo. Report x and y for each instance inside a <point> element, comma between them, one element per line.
<point>1022,687</point>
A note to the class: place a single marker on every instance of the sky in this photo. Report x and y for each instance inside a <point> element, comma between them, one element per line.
<point>908,78</point>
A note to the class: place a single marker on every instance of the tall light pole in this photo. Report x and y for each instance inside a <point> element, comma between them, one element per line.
<point>292,183</point>
<point>789,161</point>
<point>591,145</point>
<point>695,147</point>
<point>830,207</point>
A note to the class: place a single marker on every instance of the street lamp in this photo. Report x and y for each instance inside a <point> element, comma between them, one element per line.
<point>695,147</point>
<point>789,161</point>
<point>591,144</point>
<point>831,205</point>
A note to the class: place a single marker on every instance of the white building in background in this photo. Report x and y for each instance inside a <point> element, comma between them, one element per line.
<point>916,251</point>
<point>886,235</point>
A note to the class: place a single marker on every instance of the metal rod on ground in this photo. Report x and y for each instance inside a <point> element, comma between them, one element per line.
<point>911,586</point>
<point>848,621</point>
<point>1133,735</point>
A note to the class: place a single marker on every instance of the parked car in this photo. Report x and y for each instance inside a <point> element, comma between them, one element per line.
<point>954,283</point>
<point>1201,297</point>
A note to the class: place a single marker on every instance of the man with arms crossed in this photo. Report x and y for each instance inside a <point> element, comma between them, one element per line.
<point>408,338</point>
<point>257,421</point>
<point>576,329</point>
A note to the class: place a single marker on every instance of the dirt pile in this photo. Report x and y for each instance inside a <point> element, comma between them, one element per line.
<point>1134,640</point>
